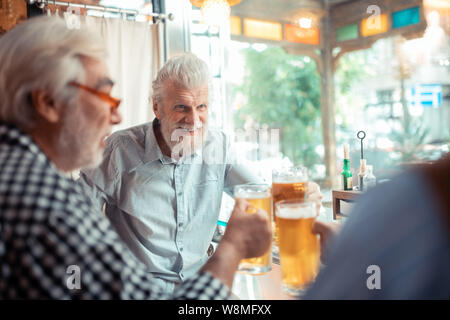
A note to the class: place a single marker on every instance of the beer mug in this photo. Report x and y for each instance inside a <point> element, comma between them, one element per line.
<point>288,183</point>
<point>299,247</point>
<point>259,196</point>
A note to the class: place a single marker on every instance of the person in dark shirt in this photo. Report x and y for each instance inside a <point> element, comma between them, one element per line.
<point>395,244</point>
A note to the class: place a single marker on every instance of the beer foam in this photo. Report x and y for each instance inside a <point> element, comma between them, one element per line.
<point>296,212</point>
<point>252,195</point>
<point>287,180</point>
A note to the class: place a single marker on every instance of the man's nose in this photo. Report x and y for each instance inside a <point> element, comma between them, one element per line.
<point>193,117</point>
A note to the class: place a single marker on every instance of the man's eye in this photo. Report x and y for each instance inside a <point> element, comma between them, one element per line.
<point>180,107</point>
<point>202,106</point>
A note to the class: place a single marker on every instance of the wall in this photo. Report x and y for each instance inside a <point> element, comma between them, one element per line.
<point>12,12</point>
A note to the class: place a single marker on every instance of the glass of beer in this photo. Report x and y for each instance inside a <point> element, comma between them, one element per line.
<point>299,247</point>
<point>288,183</point>
<point>259,196</point>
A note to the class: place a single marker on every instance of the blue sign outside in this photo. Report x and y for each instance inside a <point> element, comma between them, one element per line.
<point>405,17</point>
<point>427,95</point>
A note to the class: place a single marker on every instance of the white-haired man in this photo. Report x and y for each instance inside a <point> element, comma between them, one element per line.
<point>55,112</point>
<point>162,182</point>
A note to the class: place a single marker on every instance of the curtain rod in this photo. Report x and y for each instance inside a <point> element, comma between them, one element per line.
<point>42,3</point>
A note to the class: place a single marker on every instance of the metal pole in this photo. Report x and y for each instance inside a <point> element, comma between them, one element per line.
<point>43,3</point>
<point>327,105</point>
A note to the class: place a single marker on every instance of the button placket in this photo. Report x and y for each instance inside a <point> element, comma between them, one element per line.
<point>180,208</point>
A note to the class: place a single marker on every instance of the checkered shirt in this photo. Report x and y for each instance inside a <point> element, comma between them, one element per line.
<point>49,231</point>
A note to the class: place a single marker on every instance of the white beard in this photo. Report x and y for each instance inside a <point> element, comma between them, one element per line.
<point>182,144</point>
<point>77,144</point>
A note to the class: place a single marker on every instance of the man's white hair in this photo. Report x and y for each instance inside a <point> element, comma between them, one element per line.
<point>42,54</point>
<point>186,70</point>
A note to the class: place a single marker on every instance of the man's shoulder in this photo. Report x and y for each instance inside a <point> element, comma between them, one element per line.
<point>404,202</point>
<point>133,135</point>
<point>218,137</point>
<point>389,196</point>
<point>35,184</point>
<point>127,145</point>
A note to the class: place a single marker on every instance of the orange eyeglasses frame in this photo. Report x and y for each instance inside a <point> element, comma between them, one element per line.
<point>114,103</point>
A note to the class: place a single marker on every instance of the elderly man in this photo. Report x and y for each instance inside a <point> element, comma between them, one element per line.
<point>162,182</point>
<point>55,112</point>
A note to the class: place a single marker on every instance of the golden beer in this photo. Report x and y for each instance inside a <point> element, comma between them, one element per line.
<point>259,196</point>
<point>287,184</point>
<point>299,247</point>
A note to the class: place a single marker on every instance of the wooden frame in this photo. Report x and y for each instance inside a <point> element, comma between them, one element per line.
<point>339,195</point>
<point>11,13</point>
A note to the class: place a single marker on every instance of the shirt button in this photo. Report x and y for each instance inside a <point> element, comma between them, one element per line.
<point>180,224</point>
<point>181,249</point>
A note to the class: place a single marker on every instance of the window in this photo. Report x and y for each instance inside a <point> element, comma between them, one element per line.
<point>398,92</point>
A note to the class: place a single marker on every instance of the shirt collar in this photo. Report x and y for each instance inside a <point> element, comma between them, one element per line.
<point>152,150</point>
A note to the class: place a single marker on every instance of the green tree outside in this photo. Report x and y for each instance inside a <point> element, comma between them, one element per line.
<point>283,91</point>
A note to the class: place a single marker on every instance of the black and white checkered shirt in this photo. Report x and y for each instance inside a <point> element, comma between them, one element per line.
<point>49,232</point>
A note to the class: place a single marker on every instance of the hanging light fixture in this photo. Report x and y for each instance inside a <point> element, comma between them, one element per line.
<point>306,13</point>
<point>215,12</point>
<point>305,22</point>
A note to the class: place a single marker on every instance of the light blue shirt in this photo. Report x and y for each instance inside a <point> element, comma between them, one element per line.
<point>166,212</point>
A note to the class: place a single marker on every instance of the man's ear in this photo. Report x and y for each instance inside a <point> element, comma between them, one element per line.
<point>155,109</point>
<point>45,106</point>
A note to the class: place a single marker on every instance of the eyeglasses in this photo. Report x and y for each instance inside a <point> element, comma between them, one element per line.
<point>113,102</point>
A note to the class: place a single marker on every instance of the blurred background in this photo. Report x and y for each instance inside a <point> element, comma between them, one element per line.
<point>313,72</point>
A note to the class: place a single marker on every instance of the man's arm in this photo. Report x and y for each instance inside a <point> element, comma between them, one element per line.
<point>246,236</point>
<point>327,232</point>
<point>238,170</point>
<point>83,258</point>
<point>106,268</point>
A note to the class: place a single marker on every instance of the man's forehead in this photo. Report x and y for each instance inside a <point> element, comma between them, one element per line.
<point>93,63</point>
<point>97,72</point>
<point>178,90</point>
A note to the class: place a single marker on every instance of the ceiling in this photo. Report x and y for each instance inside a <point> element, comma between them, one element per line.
<point>284,10</point>
<point>281,10</point>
